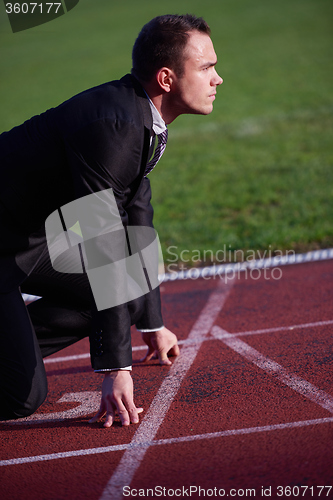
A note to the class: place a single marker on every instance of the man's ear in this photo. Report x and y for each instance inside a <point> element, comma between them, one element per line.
<point>165,78</point>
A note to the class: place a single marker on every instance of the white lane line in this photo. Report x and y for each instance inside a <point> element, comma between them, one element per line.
<point>161,442</point>
<point>283,328</point>
<point>64,454</point>
<point>146,432</point>
<point>246,430</point>
<point>86,355</point>
<point>290,379</point>
<point>64,359</point>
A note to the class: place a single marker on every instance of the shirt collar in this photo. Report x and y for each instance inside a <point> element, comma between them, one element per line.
<point>159,125</point>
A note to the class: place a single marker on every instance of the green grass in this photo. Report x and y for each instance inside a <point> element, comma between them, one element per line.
<point>256,173</point>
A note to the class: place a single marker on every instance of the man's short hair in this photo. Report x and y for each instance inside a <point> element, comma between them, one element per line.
<point>161,42</point>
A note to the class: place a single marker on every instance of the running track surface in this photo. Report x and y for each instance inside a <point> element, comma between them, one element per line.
<point>245,411</point>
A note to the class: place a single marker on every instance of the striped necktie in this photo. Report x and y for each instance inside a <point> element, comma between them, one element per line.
<point>159,150</point>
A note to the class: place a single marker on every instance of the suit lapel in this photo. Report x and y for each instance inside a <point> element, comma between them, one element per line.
<point>147,125</point>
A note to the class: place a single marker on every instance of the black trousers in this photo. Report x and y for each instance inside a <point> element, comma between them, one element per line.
<point>28,333</point>
<point>60,318</point>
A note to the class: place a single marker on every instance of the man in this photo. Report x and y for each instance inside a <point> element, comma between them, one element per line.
<point>100,139</point>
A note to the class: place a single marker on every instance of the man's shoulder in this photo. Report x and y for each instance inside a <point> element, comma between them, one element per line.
<point>114,92</point>
<point>116,100</point>
<point>125,84</point>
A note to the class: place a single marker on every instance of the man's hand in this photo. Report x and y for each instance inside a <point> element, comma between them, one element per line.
<point>117,396</point>
<point>160,344</point>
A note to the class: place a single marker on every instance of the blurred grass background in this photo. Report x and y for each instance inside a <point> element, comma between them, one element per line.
<point>256,174</point>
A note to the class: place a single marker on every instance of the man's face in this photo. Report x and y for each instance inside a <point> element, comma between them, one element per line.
<point>194,92</point>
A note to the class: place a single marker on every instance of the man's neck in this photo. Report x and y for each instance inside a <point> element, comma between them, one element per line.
<point>160,101</point>
<point>159,124</point>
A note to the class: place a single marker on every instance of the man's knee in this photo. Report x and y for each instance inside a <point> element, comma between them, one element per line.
<point>19,406</point>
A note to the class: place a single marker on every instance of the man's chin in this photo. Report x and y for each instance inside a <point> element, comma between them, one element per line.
<point>207,111</point>
<point>203,111</point>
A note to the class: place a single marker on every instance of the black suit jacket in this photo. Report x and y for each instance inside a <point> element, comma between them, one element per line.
<point>96,140</point>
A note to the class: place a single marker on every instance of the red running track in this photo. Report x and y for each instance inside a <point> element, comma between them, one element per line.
<point>245,411</point>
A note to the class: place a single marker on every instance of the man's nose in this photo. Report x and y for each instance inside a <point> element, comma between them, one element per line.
<point>219,79</point>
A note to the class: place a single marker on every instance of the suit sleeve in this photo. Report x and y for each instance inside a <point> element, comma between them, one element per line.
<point>141,214</point>
<point>108,154</point>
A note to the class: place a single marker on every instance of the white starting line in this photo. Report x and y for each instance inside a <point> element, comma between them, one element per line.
<point>65,359</point>
<point>159,442</point>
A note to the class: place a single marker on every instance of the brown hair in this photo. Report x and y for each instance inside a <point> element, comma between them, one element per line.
<point>161,42</point>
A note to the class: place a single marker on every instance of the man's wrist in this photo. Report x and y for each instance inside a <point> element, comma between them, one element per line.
<point>150,330</point>
<point>107,370</point>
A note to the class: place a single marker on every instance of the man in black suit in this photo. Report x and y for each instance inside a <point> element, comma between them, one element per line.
<point>99,141</point>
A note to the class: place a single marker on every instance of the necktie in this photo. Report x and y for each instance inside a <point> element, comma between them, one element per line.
<point>159,150</point>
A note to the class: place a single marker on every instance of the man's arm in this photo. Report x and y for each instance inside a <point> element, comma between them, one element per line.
<point>102,155</point>
<point>93,169</point>
<point>140,213</point>
<point>160,340</point>
<point>117,393</point>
